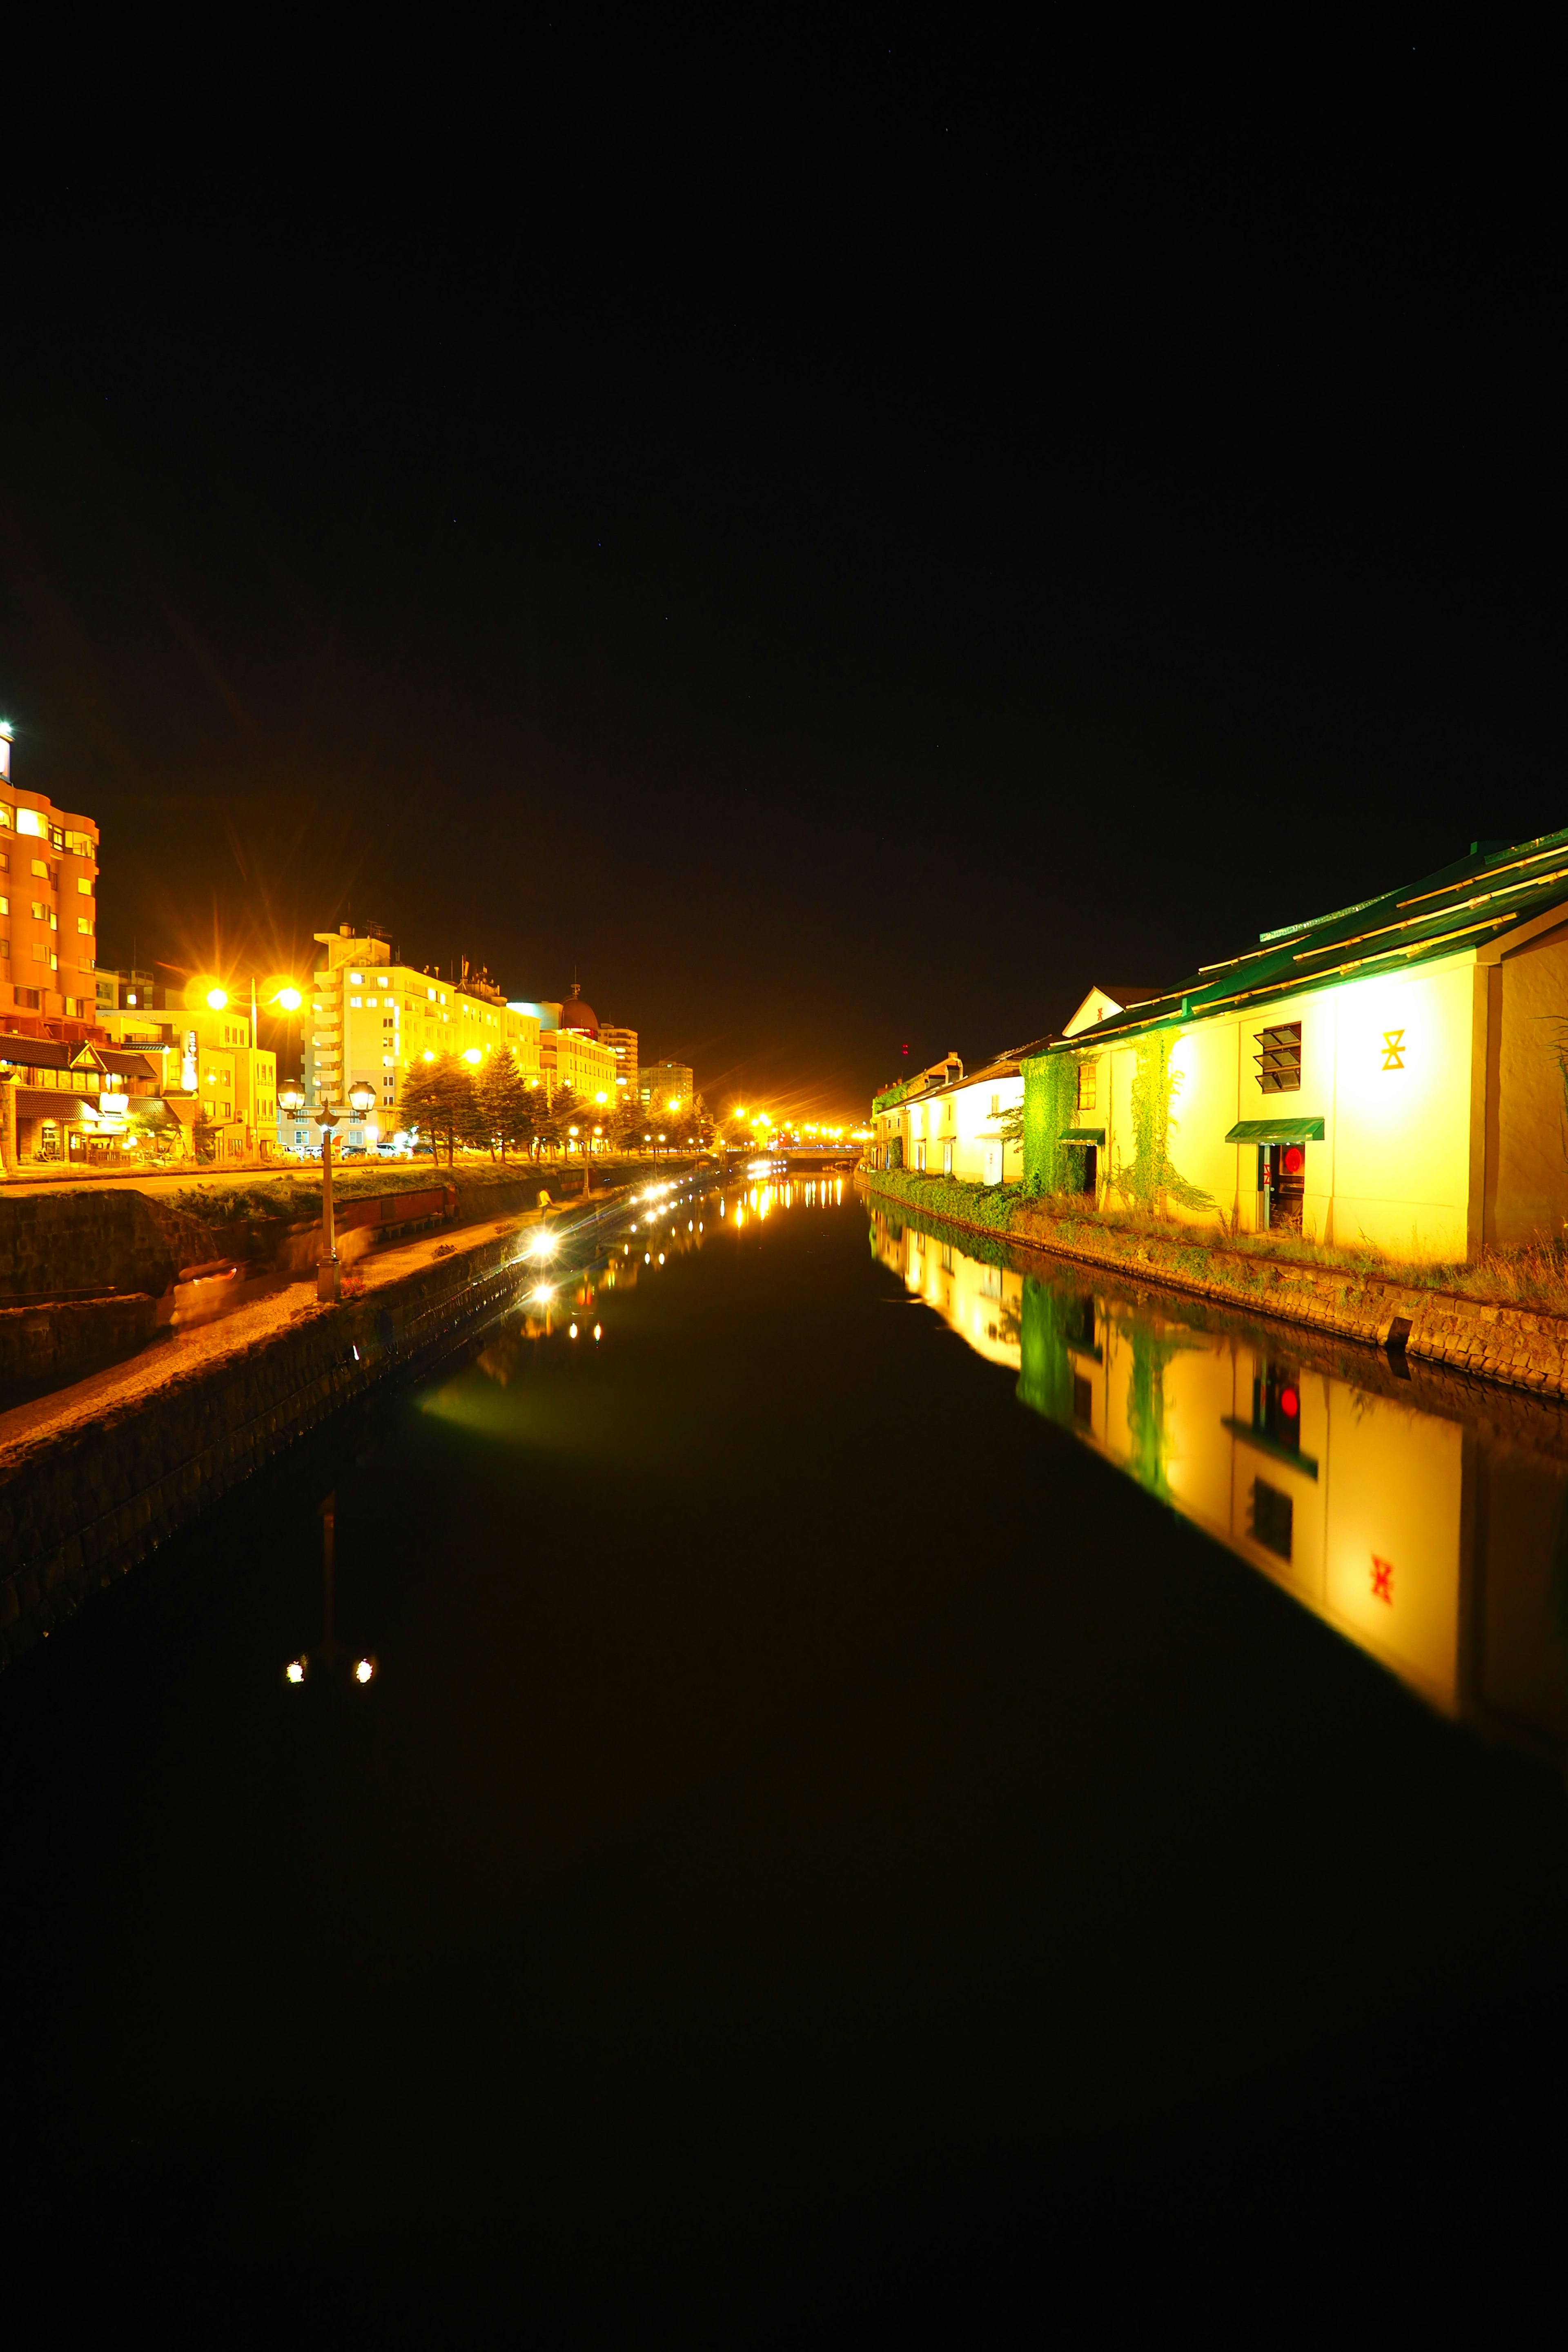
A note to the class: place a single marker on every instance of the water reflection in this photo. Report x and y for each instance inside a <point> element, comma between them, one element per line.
<point>1419,1513</point>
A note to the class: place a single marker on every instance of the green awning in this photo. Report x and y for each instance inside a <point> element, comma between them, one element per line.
<point>1084,1135</point>
<point>1276,1130</point>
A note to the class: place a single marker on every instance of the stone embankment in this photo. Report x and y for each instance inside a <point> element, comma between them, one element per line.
<point>1521,1347</point>
<point>99,1484</point>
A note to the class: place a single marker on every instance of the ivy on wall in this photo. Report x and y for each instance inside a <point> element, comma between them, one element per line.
<point>1050,1107</point>
<point>1150,1179</point>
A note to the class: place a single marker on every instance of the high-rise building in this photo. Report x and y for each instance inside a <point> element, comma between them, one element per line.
<point>372,1019</point>
<point>622,1044</point>
<point>49,910</point>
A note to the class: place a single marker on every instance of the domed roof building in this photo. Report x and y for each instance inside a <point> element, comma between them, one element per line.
<point>579,1014</point>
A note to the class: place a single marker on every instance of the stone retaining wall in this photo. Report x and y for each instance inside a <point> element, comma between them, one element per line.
<point>1523,1348</point>
<point>85,1239</point>
<point>48,1346</point>
<point>78,1509</point>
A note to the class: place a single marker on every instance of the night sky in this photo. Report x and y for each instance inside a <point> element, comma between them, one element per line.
<point>843,542</point>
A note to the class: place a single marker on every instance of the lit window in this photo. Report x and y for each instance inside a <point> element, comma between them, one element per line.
<point>84,884</point>
<point>30,821</point>
<point>84,925</point>
<point>356,1001</point>
<point>41,871</point>
<point>357,979</point>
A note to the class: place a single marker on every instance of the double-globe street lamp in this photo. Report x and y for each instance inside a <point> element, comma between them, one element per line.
<point>361,1100</point>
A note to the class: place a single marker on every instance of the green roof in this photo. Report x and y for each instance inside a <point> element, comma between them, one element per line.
<point>1461,906</point>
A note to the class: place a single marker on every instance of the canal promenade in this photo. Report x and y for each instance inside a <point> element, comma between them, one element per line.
<point>1520,1347</point>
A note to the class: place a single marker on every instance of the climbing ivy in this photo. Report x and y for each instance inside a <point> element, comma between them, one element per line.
<point>1150,1173</point>
<point>1050,1105</point>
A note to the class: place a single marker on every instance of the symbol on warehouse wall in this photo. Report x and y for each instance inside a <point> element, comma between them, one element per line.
<point>1393,1049</point>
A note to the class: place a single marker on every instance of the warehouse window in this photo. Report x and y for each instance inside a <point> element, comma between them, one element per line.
<point>1088,1082</point>
<point>1279,1059</point>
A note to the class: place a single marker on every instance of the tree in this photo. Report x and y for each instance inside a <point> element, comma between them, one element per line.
<point>439,1097</point>
<point>506,1104</point>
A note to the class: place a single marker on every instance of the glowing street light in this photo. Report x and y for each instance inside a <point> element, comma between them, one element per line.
<point>218,1000</point>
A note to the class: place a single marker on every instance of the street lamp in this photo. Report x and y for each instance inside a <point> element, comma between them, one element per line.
<point>9,1073</point>
<point>329,1274</point>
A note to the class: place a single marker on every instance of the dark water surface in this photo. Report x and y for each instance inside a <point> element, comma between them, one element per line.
<point>822,1853</point>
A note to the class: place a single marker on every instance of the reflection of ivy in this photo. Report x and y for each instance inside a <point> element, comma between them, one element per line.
<point>1147,1451</point>
<point>1150,1171</point>
<point>1045,1369</point>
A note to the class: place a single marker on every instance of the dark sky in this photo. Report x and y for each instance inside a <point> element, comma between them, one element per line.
<point>844,541</point>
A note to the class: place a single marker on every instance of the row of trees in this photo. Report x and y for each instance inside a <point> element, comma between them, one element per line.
<point>496,1107</point>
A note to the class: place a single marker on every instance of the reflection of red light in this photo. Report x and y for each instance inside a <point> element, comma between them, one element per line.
<point>1295,1159</point>
<point>1290,1402</point>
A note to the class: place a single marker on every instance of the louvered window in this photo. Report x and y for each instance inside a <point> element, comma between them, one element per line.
<point>1279,1060</point>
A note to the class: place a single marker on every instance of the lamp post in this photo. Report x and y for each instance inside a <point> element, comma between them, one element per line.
<point>329,1273</point>
<point>8,1078</point>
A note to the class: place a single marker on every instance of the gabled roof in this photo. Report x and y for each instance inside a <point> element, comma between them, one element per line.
<point>47,1053</point>
<point>1463,906</point>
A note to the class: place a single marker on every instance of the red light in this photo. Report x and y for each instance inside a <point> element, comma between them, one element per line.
<point>1290,1404</point>
<point>1295,1159</point>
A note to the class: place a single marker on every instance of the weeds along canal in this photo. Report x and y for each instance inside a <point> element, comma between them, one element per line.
<point>863,1811</point>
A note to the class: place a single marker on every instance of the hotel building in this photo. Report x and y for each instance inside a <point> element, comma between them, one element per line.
<point>372,1019</point>
<point>49,910</point>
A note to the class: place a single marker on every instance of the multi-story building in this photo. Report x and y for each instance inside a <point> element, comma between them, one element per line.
<point>665,1088</point>
<point>573,1053</point>
<point>49,910</point>
<point>622,1044</point>
<point>375,1020</point>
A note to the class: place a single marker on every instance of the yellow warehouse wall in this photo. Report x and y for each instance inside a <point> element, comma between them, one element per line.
<point>1527,1139</point>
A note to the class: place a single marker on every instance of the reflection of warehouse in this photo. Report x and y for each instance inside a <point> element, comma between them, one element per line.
<point>1428,1546</point>
<point>1438,1545</point>
<point>980,1302</point>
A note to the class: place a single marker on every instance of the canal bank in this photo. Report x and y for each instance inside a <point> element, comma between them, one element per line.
<point>95,1477</point>
<point>1522,1348</point>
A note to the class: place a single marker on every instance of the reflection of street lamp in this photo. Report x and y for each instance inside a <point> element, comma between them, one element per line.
<point>328,1649</point>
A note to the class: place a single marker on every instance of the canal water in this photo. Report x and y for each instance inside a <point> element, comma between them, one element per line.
<point>823,1780</point>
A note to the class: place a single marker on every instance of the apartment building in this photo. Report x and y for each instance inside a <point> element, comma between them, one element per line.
<point>372,1019</point>
<point>48,908</point>
<point>666,1087</point>
<point>622,1044</point>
